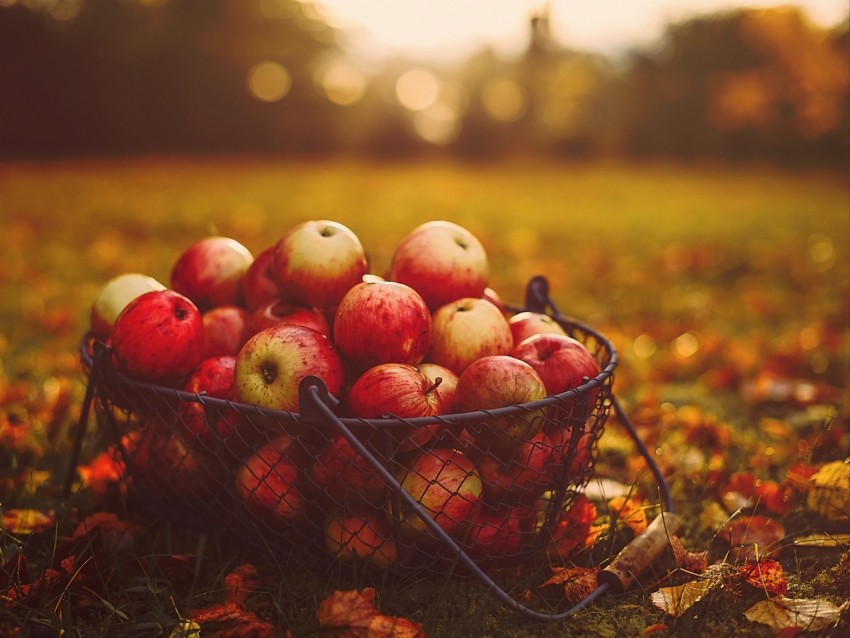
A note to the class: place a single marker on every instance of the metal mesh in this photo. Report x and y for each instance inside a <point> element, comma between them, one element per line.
<point>296,483</point>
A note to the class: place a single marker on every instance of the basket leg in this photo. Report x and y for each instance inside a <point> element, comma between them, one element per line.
<point>80,431</point>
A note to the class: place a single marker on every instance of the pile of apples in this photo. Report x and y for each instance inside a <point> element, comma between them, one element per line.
<point>427,338</point>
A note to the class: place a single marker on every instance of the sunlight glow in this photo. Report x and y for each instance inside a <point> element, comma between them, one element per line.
<point>269,81</point>
<point>341,83</point>
<point>417,89</point>
<point>504,99</point>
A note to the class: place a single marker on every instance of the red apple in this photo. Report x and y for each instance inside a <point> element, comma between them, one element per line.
<point>495,382</point>
<point>526,324</point>
<point>316,262</point>
<point>465,330</point>
<point>494,298</point>
<point>382,322</point>
<point>273,362</point>
<point>271,481</point>
<point>360,535</point>
<point>114,296</point>
<point>210,272</point>
<point>162,463</point>
<point>159,336</point>
<point>444,484</point>
<point>494,533</point>
<point>279,311</point>
<point>217,430</point>
<point>400,390</point>
<point>521,476</point>
<point>448,383</point>
<point>344,475</point>
<point>578,453</point>
<point>563,363</point>
<point>259,285</point>
<point>441,261</point>
<point>225,330</point>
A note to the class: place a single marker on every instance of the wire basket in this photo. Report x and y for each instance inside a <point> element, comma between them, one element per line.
<point>403,496</point>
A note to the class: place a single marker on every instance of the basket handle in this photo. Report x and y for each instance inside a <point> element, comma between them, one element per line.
<point>632,560</point>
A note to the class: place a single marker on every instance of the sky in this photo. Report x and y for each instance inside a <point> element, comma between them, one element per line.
<point>450,30</point>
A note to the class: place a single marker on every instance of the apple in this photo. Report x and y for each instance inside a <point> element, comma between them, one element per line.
<point>448,383</point>
<point>259,285</point>
<point>278,311</point>
<point>360,535</point>
<point>444,484</point>
<point>499,381</point>
<point>494,298</point>
<point>494,533</point>
<point>441,261</point>
<point>400,390</point>
<point>217,430</point>
<point>273,362</point>
<point>210,272</point>
<point>465,330</point>
<point>344,475</point>
<point>382,322</point>
<point>161,463</point>
<point>527,323</point>
<point>225,330</point>
<point>316,262</point>
<point>523,475</point>
<point>159,336</point>
<point>114,296</point>
<point>563,363</point>
<point>270,482</point>
<point>560,441</point>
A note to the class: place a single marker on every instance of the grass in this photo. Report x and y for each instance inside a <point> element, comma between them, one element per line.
<point>749,263</point>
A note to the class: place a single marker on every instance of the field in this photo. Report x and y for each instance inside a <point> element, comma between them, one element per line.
<point>726,291</point>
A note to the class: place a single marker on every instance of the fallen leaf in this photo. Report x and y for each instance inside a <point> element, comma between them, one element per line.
<point>352,608</point>
<point>186,629</point>
<point>240,583</point>
<point>232,620</point>
<point>822,539</point>
<point>116,535</point>
<point>829,490</point>
<point>767,575</point>
<point>394,627</point>
<point>578,582</point>
<point>692,562</point>
<point>630,511</point>
<point>677,599</point>
<point>573,530</point>
<point>28,521</point>
<point>806,614</point>
<point>753,537</point>
<point>104,470</point>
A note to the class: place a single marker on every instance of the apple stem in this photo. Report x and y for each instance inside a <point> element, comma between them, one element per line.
<point>433,387</point>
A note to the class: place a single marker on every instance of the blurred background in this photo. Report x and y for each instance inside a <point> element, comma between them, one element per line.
<point>689,79</point>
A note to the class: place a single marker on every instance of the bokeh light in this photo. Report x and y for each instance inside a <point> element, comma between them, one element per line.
<point>504,99</point>
<point>269,81</point>
<point>341,82</point>
<point>417,89</point>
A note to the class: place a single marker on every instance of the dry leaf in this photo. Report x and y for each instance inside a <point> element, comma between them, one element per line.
<point>232,620</point>
<point>829,490</point>
<point>822,539</point>
<point>572,531</point>
<point>807,614</point>
<point>693,562</point>
<point>676,600</point>
<point>351,609</point>
<point>753,537</point>
<point>186,629</point>
<point>766,575</point>
<point>393,627</point>
<point>631,511</point>
<point>578,582</point>
<point>240,583</point>
<point>28,521</point>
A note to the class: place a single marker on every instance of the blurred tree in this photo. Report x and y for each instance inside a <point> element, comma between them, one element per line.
<point>743,84</point>
<point>167,75</point>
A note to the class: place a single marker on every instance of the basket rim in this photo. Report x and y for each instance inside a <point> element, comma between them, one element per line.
<point>388,421</point>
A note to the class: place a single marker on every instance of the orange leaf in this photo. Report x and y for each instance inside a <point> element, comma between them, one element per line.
<point>572,530</point>
<point>102,471</point>
<point>693,562</point>
<point>753,537</point>
<point>348,609</point>
<point>578,582</point>
<point>240,583</point>
<point>232,620</point>
<point>767,575</point>
<point>393,627</point>
<point>28,521</point>
<point>631,511</point>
